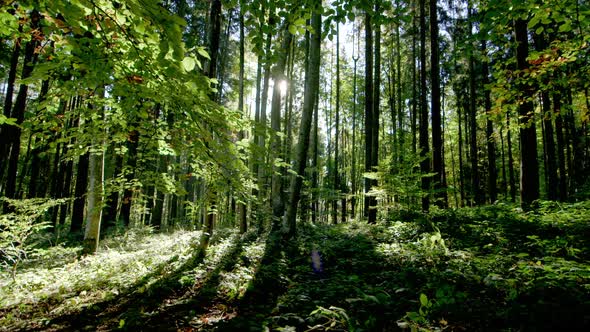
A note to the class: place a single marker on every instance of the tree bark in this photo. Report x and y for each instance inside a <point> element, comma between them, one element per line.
<point>491,140</point>
<point>242,208</point>
<point>278,206</point>
<point>435,109</point>
<point>424,147</point>
<point>529,166</point>
<point>310,95</point>
<point>369,105</point>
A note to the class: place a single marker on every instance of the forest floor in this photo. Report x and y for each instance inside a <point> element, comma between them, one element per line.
<point>492,268</point>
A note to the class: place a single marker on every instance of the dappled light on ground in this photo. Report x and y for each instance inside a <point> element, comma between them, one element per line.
<point>472,269</point>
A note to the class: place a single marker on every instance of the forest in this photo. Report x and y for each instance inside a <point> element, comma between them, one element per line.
<point>302,165</point>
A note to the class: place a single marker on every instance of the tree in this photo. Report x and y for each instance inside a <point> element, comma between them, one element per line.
<point>424,146</point>
<point>310,94</point>
<point>529,166</point>
<point>437,141</point>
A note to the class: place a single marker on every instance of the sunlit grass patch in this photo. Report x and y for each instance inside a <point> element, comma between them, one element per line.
<point>69,282</point>
<point>234,283</point>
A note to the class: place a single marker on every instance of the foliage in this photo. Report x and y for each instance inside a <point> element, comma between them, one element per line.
<point>19,228</point>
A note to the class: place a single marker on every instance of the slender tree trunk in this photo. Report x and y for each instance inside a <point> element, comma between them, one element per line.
<point>478,195</point>
<point>94,200</point>
<point>278,206</point>
<point>369,106</point>
<point>504,178</point>
<point>132,145</point>
<point>79,193</point>
<point>5,130</point>
<point>491,140</point>
<point>310,95</point>
<point>529,166</point>
<point>424,147</point>
<point>511,173</point>
<point>263,171</point>
<point>376,114</point>
<point>563,193</point>
<point>215,22</point>
<point>337,133</point>
<point>549,147</point>
<point>353,165</point>
<point>18,111</point>
<point>39,145</point>
<point>435,109</point>
<point>242,207</point>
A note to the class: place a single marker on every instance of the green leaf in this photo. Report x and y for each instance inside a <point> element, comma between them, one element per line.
<point>8,121</point>
<point>423,300</point>
<point>188,63</point>
<point>203,53</point>
<point>566,27</point>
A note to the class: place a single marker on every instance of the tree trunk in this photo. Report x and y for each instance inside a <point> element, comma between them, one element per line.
<point>215,21</point>
<point>424,147</point>
<point>278,206</point>
<point>491,140</point>
<point>376,113</point>
<point>338,184</point>
<point>5,130</point>
<point>310,95</point>
<point>529,166</point>
<point>511,173</point>
<point>368,111</point>
<point>18,111</point>
<point>353,165</point>
<point>79,191</point>
<point>561,161</point>
<point>94,200</point>
<point>132,145</point>
<point>437,140</point>
<point>242,208</point>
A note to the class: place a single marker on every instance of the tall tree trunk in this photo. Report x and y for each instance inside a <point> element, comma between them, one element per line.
<point>94,202</point>
<point>437,140</point>
<point>415,82</point>
<point>337,133</point>
<point>39,145</point>
<point>5,130</point>
<point>242,207</point>
<point>369,105</point>
<point>376,113</point>
<point>263,171</point>
<point>529,166</point>
<point>504,178</point>
<point>79,193</point>
<point>561,160</point>
<point>549,148</point>
<point>310,95</point>
<point>278,206</point>
<point>400,111</point>
<point>353,165</point>
<point>18,110</point>
<point>478,195</point>
<point>424,147</point>
<point>491,140</point>
<point>511,173</point>
<point>132,146</point>
<point>215,22</point>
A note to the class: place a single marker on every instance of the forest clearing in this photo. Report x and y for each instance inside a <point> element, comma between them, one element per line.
<point>257,165</point>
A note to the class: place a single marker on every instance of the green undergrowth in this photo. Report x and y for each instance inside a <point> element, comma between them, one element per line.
<point>491,268</point>
<point>57,280</point>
